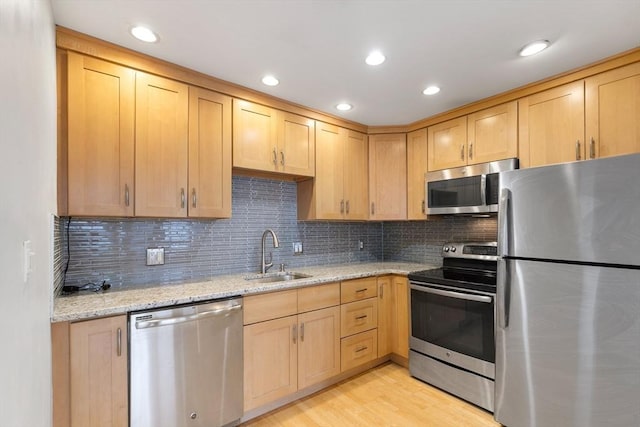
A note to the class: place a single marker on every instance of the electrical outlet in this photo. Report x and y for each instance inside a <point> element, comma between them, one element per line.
<point>297,248</point>
<point>360,245</point>
<point>155,256</point>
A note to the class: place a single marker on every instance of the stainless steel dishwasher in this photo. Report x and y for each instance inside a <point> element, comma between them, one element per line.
<point>185,365</point>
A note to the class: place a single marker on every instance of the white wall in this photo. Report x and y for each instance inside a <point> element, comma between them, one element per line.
<point>27,199</point>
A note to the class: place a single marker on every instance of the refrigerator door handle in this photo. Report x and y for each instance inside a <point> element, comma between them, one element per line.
<point>503,222</point>
<point>504,293</point>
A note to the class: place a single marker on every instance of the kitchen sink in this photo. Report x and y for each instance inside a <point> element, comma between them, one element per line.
<point>277,277</point>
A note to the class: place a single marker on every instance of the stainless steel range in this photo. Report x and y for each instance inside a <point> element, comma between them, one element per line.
<point>452,344</point>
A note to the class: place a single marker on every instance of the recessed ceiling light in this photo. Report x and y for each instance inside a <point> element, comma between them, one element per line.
<point>270,80</point>
<point>144,34</point>
<point>534,47</point>
<point>431,90</point>
<point>344,106</point>
<point>375,58</point>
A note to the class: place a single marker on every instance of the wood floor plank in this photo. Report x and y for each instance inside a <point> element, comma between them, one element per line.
<point>384,396</point>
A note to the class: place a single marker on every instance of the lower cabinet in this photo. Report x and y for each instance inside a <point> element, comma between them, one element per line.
<point>290,353</point>
<point>90,373</point>
<point>393,316</point>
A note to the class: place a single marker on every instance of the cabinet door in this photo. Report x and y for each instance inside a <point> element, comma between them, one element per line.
<point>388,176</point>
<point>101,135</point>
<point>552,126</point>
<point>296,144</point>
<point>254,136</point>
<point>330,164</point>
<point>209,154</point>
<point>401,316</point>
<point>356,176</point>
<point>493,134</point>
<point>613,112</point>
<point>447,143</point>
<point>416,168</point>
<point>385,316</point>
<point>162,107</point>
<point>98,360</point>
<point>270,361</point>
<point>319,346</point>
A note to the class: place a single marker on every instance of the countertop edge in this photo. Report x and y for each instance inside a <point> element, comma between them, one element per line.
<point>91,306</point>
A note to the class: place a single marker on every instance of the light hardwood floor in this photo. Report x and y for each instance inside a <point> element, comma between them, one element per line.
<point>384,396</point>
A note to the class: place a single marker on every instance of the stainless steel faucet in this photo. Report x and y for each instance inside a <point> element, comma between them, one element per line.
<point>265,265</point>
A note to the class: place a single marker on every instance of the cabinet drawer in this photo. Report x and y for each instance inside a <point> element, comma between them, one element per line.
<point>358,289</point>
<point>258,308</point>
<point>317,297</point>
<point>358,349</point>
<point>358,316</point>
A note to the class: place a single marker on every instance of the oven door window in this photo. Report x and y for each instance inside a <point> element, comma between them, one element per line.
<point>460,325</point>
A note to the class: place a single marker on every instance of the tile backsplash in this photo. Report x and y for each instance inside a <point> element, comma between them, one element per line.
<point>114,249</point>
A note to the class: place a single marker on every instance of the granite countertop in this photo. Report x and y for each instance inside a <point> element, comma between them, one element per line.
<point>113,302</point>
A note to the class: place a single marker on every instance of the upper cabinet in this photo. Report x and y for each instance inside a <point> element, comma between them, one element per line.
<point>484,136</point>
<point>179,136</point>
<point>209,154</point>
<point>162,108</point>
<point>388,176</point>
<point>265,139</point>
<point>552,126</point>
<point>416,168</point>
<point>100,111</point>
<point>340,187</point>
<point>612,109</point>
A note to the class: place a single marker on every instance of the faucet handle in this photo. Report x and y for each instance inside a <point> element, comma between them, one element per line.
<point>282,267</point>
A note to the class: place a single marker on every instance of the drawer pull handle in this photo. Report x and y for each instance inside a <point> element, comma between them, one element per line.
<point>359,291</point>
<point>363,348</point>
<point>364,316</point>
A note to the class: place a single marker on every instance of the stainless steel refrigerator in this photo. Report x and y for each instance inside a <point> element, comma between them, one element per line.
<point>568,312</point>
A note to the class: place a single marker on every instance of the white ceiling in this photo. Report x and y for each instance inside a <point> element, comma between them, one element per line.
<point>316,48</point>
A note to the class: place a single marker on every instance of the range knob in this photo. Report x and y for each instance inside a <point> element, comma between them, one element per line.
<point>453,248</point>
<point>446,249</point>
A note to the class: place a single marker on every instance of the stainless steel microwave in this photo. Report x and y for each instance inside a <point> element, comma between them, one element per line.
<point>467,190</point>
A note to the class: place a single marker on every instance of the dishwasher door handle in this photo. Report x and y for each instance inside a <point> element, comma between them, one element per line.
<point>183,319</point>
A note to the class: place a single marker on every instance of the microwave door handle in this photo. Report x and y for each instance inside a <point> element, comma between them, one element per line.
<point>452,294</point>
<point>483,189</point>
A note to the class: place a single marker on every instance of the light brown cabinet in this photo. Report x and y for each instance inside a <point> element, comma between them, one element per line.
<point>386,308</point>
<point>552,126</point>
<point>340,187</point>
<point>484,136</point>
<point>393,316</point>
<point>285,354</point>
<point>100,111</point>
<point>265,139</point>
<point>209,154</point>
<point>90,386</point>
<point>162,108</point>
<point>416,169</point>
<point>612,112</point>
<point>388,177</point>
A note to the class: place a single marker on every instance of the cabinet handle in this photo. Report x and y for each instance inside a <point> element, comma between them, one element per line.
<point>373,208</point>
<point>592,148</point>
<point>182,198</point>
<point>462,152</point>
<point>302,332</point>
<point>282,157</point>
<point>275,156</point>
<point>347,207</point>
<point>194,199</point>
<point>423,207</point>
<point>294,334</point>
<point>119,342</point>
<point>342,206</point>
<point>361,317</point>
<point>359,291</point>
<point>126,195</point>
<point>471,150</point>
<point>578,150</point>
<point>363,348</point>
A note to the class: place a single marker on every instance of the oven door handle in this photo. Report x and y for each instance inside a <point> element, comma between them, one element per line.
<point>458,295</point>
